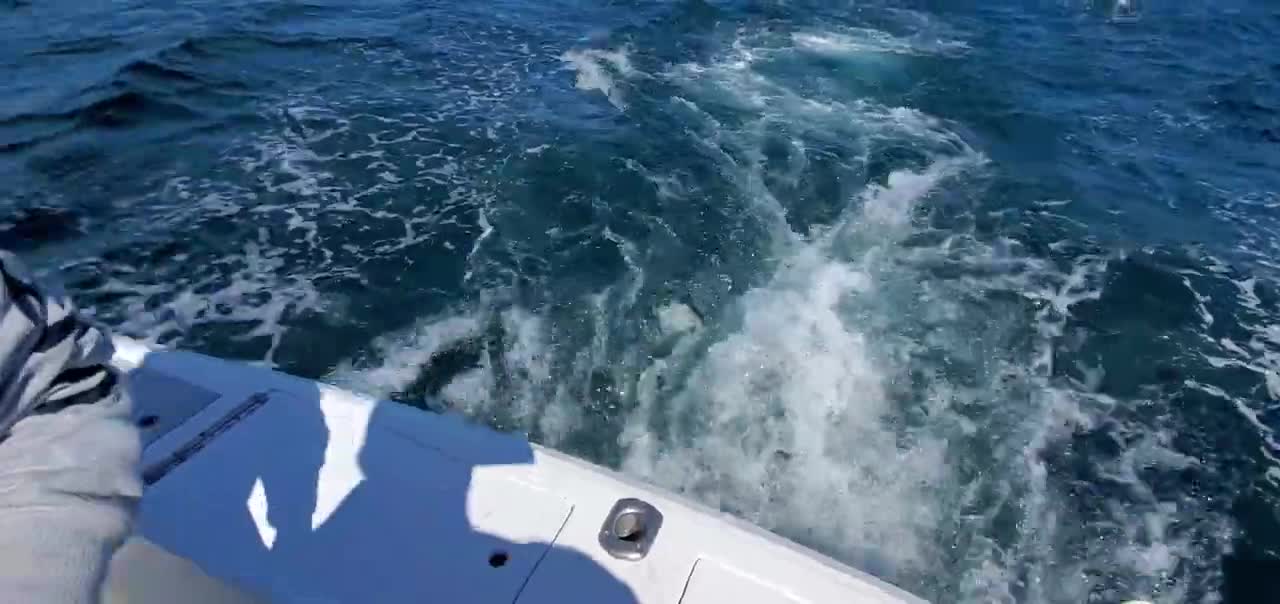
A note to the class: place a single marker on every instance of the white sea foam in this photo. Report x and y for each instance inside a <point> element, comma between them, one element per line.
<point>405,354</point>
<point>790,410</point>
<point>513,381</point>
<point>596,70</point>
<point>676,318</point>
<point>861,41</point>
<point>252,289</point>
<point>852,42</point>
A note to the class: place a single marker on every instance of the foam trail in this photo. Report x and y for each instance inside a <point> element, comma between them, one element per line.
<point>790,410</point>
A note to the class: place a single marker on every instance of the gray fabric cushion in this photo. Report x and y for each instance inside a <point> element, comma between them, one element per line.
<point>68,452</point>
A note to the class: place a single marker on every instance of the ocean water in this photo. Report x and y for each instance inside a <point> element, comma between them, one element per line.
<point>979,297</point>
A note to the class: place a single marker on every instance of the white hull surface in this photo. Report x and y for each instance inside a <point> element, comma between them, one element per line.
<point>301,492</point>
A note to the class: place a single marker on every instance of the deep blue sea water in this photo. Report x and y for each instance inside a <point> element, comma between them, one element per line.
<point>979,297</point>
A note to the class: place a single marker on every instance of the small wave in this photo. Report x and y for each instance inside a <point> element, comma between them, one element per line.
<point>29,140</point>
<point>30,227</point>
<point>166,85</point>
<point>142,91</point>
<point>153,70</point>
<point>129,108</point>
<point>86,45</point>
<point>114,108</point>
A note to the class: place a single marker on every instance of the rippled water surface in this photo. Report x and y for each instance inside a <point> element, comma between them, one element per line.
<point>982,300</point>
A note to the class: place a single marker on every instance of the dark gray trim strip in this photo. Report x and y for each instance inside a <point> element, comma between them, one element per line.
<point>187,451</point>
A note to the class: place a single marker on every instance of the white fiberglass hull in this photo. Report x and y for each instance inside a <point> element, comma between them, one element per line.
<point>297,491</point>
